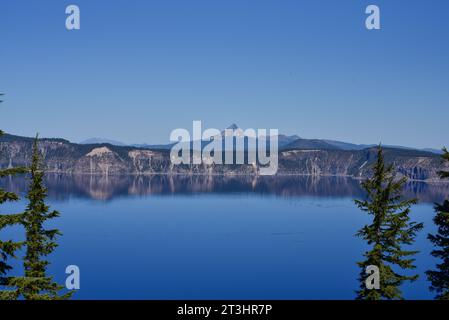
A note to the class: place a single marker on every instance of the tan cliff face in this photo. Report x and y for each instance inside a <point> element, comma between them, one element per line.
<point>107,160</point>
<point>102,161</point>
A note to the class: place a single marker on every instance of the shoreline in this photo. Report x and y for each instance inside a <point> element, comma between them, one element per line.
<point>432,181</point>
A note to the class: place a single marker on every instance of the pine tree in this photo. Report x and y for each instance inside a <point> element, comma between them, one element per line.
<point>8,248</point>
<point>389,231</point>
<point>444,174</point>
<point>40,242</point>
<point>439,278</point>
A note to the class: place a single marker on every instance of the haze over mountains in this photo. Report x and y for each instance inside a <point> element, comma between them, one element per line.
<point>285,142</point>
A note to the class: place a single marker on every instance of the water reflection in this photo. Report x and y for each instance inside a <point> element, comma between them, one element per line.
<point>62,187</point>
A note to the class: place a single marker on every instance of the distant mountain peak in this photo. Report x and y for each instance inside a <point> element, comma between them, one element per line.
<point>102,141</point>
<point>233,127</point>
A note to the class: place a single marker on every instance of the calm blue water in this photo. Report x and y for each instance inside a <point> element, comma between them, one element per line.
<point>216,238</point>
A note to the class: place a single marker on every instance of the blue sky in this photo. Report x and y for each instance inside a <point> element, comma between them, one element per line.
<point>138,69</point>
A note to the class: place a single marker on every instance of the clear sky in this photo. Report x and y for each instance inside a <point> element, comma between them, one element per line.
<point>138,69</point>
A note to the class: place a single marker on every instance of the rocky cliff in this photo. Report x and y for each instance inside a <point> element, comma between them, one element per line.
<point>61,156</point>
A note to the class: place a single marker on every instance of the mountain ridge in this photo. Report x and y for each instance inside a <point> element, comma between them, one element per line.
<point>285,142</point>
<point>64,157</point>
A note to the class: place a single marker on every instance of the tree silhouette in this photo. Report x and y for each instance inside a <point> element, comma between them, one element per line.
<point>389,231</point>
<point>8,248</point>
<point>439,278</point>
<point>40,242</point>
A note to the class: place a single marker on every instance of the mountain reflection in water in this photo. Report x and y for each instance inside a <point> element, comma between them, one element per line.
<point>62,187</point>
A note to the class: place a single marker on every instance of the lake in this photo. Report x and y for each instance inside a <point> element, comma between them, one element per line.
<point>214,237</point>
